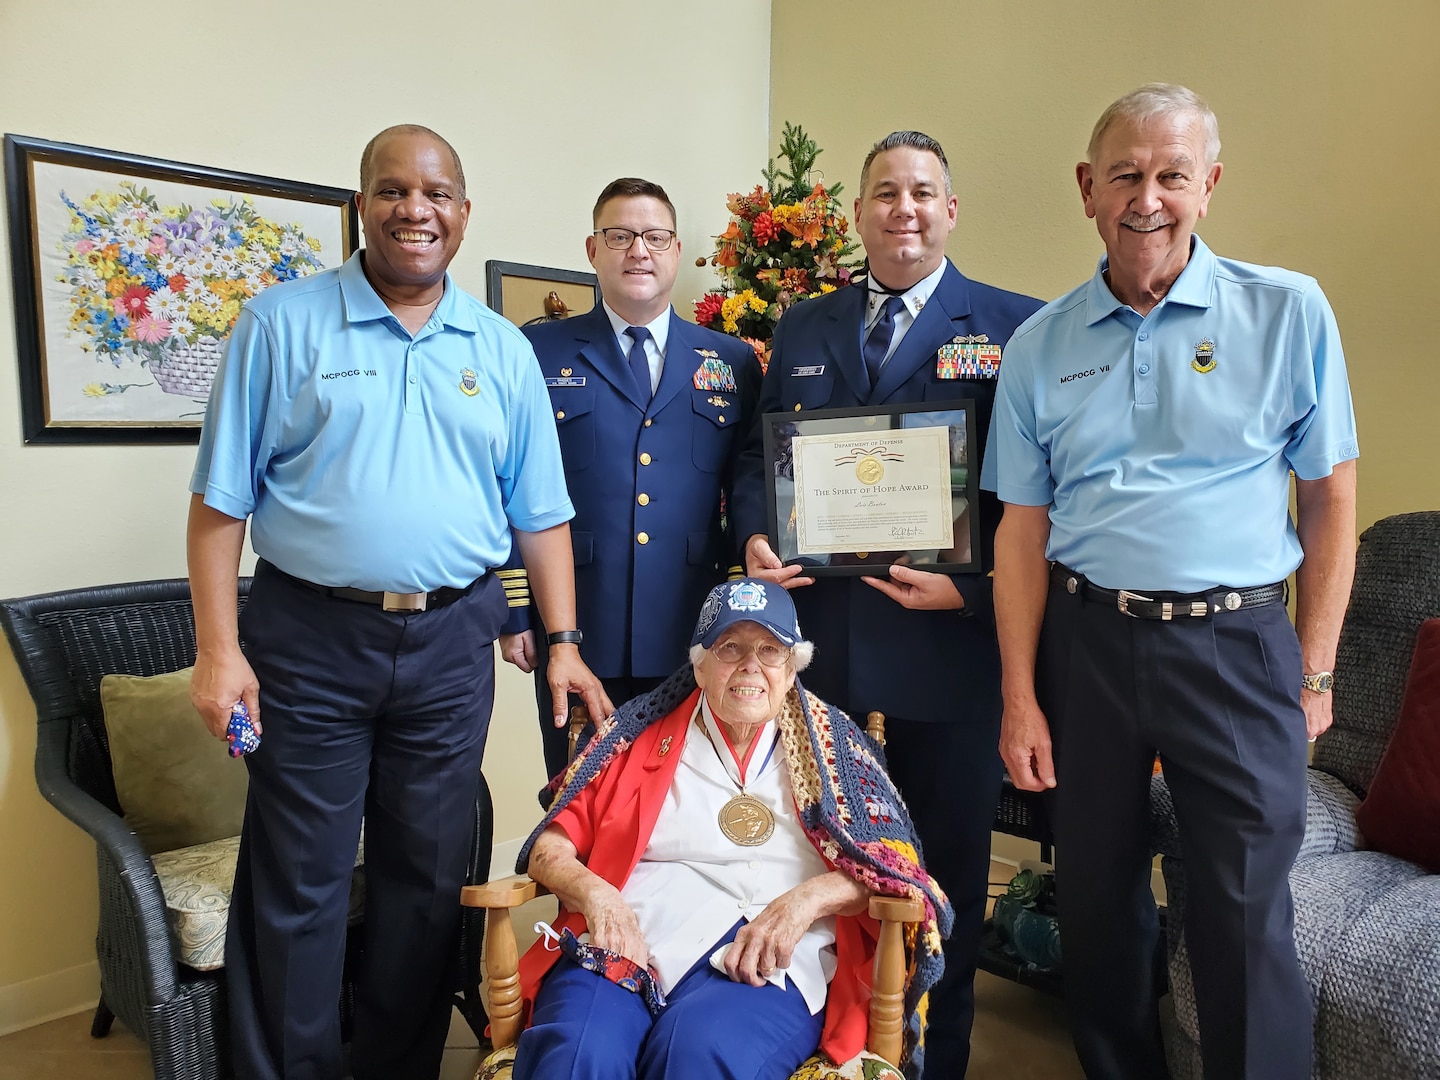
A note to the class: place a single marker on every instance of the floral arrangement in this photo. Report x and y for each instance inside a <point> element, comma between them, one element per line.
<point>786,242</point>
<point>156,283</point>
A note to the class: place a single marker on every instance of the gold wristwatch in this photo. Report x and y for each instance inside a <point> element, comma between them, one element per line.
<point>1320,682</point>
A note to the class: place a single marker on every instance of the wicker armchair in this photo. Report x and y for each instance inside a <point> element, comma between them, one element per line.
<point>64,642</point>
<point>1367,925</point>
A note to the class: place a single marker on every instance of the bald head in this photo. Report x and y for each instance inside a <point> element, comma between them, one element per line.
<point>368,154</point>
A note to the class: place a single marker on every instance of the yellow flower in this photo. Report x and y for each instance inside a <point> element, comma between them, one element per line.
<point>93,389</point>
<point>826,287</point>
<point>757,304</point>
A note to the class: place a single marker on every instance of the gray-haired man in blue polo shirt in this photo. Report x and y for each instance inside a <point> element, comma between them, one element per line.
<point>1146,425</point>
<point>385,432</point>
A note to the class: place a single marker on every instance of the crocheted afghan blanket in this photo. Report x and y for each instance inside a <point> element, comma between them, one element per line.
<point>848,807</point>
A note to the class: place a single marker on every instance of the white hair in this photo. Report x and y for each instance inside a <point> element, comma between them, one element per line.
<point>1158,99</point>
<point>801,653</point>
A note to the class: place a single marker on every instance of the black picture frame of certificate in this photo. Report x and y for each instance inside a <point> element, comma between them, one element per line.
<point>850,491</point>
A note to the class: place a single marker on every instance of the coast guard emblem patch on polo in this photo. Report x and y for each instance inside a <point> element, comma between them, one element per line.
<point>1204,361</point>
<point>467,383</point>
<point>747,596</point>
<point>968,357</point>
<point>713,373</point>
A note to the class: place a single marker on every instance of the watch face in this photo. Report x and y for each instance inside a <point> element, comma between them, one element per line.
<point>1320,683</point>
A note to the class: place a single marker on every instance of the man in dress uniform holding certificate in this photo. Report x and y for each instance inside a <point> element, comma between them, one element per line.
<point>918,646</point>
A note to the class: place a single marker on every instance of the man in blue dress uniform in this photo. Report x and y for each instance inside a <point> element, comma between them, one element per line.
<point>1145,432</point>
<point>918,646</point>
<point>384,433</point>
<point>650,410</point>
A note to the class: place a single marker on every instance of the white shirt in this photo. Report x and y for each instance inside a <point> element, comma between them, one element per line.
<point>914,299</point>
<point>654,348</point>
<point>692,883</point>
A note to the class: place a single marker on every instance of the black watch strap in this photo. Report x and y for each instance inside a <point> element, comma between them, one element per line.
<point>565,637</point>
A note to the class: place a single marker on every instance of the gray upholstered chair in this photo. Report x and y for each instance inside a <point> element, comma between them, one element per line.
<point>1367,925</point>
<point>64,642</point>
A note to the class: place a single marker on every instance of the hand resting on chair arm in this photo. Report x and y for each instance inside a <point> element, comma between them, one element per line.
<point>555,863</point>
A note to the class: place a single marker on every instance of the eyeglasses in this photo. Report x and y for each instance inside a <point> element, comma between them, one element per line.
<point>769,654</point>
<point>621,239</point>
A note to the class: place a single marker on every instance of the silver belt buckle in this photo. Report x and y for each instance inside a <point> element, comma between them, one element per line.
<point>404,601</point>
<point>1123,598</point>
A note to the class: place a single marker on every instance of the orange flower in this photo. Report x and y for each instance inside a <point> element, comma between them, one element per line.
<point>727,251</point>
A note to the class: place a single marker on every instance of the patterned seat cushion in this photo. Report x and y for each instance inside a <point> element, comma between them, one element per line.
<point>196,882</point>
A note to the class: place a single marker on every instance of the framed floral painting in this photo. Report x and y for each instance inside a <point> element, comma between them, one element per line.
<point>129,273</point>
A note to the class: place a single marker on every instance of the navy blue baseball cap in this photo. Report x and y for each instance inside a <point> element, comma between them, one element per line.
<point>747,600</point>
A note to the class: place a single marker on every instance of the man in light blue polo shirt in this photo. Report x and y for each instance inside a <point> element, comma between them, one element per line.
<point>1145,429</point>
<point>384,431</point>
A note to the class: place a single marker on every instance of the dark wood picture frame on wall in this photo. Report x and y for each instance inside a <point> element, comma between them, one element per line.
<point>519,291</point>
<point>128,273</point>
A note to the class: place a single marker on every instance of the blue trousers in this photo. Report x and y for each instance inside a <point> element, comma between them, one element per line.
<point>367,714</point>
<point>585,1027</point>
<point>1219,700</point>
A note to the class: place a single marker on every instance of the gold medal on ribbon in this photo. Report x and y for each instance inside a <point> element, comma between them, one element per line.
<point>746,821</point>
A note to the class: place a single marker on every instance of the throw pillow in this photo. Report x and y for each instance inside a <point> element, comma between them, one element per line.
<point>1401,812</point>
<point>176,784</point>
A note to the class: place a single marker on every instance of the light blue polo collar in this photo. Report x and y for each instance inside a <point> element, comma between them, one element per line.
<point>1195,287</point>
<point>363,303</point>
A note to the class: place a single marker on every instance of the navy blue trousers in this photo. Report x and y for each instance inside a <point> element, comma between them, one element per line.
<point>367,714</point>
<point>1218,699</point>
<point>585,1027</point>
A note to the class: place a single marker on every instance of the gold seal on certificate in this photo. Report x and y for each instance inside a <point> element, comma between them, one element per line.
<point>853,490</point>
<point>868,470</point>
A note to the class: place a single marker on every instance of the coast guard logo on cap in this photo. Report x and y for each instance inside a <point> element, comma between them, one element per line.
<point>467,383</point>
<point>708,614</point>
<point>747,596</point>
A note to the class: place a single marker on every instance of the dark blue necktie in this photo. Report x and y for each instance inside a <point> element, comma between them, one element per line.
<point>639,362</point>
<point>878,343</point>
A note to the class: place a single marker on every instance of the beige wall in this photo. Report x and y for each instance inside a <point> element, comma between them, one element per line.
<point>545,103</point>
<point>1328,112</point>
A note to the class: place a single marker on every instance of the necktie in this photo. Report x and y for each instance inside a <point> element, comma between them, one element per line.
<point>639,362</point>
<point>878,343</point>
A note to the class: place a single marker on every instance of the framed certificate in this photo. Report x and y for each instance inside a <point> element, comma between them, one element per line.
<point>851,491</point>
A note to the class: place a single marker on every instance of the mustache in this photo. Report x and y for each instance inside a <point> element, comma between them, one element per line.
<point>1146,222</point>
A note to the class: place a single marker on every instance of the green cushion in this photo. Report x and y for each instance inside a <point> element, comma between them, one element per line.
<point>176,784</point>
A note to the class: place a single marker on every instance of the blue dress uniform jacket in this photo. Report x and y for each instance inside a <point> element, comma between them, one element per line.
<point>646,481</point>
<point>870,652</point>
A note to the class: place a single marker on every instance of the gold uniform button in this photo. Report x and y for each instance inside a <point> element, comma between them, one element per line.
<point>643,499</point>
<point>644,459</point>
<point>560,415</point>
<point>797,406</point>
<point>649,422</point>
<point>643,538</point>
<point>721,418</point>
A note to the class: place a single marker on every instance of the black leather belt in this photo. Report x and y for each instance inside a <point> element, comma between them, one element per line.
<point>389,601</point>
<point>1166,606</point>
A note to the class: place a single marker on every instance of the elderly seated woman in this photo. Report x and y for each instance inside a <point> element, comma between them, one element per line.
<point>724,833</point>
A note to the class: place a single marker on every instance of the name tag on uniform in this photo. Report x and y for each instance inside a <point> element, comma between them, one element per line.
<point>813,369</point>
<point>573,380</point>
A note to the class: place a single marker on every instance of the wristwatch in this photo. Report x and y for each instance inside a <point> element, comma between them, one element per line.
<point>1320,682</point>
<point>573,637</point>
